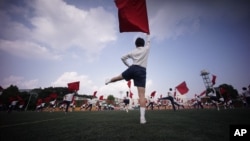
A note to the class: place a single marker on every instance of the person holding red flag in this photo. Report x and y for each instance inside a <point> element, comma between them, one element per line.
<point>215,97</point>
<point>198,100</point>
<point>151,103</point>
<point>91,102</point>
<point>136,71</point>
<point>126,101</point>
<point>52,103</point>
<point>68,98</point>
<point>39,104</point>
<point>171,98</point>
<point>13,102</point>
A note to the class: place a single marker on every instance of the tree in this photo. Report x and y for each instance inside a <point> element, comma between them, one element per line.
<point>9,92</point>
<point>110,99</point>
<point>229,91</point>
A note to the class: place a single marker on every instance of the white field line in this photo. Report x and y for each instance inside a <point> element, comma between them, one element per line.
<point>33,122</point>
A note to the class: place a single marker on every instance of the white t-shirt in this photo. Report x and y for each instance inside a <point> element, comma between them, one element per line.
<point>68,97</point>
<point>92,101</point>
<point>170,94</point>
<point>246,93</point>
<point>53,102</point>
<point>151,99</point>
<point>13,103</point>
<point>139,55</point>
<point>198,99</point>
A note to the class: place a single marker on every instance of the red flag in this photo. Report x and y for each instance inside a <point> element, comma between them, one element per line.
<point>131,95</point>
<point>222,90</point>
<point>132,15</point>
<point>39,101</point>
<point>53,95</point>
<point>94,94</point>
<point>213,79</point>
<point>153,93</point>
<point>22,102</point>
<point>74,86</point>
<point>46,99</point>
<point>182,88</point>
<point>101,97</point>
<point>129,83</point>
<point>19,98</point>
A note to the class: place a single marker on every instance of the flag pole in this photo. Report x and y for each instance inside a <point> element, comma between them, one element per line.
<point>28,103</point>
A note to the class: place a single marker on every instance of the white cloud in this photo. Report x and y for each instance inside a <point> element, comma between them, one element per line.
<point>169,25</point>
<point>57,27</point>
<point>86,84</point>
<point>20,82</point>
<point>27,49</point>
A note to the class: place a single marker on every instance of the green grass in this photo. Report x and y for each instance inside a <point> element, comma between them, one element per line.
<point>163,125</point>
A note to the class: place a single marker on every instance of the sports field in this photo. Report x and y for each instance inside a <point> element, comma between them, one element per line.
<point>162,125</point>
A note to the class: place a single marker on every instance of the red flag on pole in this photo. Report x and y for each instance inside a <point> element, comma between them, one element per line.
<point>39,101</point>
<point>74,86</point>
<point>132,15</point>
<point>182,88</point>
<point>153,93</point>
<point>46,99</point>
<point>19,98</point>
<point>94,94</point>
<point>213,79</point>
<point>53,95</point>
<point>101,97</point>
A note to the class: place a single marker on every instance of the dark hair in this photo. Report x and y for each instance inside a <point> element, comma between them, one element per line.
<point>139,42</point>
<point>170,89</point>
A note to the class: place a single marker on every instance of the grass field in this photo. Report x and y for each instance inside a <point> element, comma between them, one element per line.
<point>162,125</point>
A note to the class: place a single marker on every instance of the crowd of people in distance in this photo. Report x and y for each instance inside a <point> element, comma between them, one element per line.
<point>212,99</point>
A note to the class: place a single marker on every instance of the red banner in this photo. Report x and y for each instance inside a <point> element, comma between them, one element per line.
<point>153,93</point>
<point>132,15</point>
<point>74,86</point>
<point>182,88</point>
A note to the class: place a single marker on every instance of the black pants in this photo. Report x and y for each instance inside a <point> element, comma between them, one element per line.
<point>67,105</point>
<point>248,101</point>
<point>171,100</point>
<point>199,105</point>
<point>89,106</point>
<point>151,104</point>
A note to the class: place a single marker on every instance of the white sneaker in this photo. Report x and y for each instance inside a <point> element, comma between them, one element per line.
<point>143,121</point>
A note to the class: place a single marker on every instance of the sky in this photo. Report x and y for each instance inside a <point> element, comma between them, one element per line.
<point>50,43</point>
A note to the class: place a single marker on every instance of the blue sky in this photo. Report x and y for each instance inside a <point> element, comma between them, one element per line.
<point>51,43</point>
